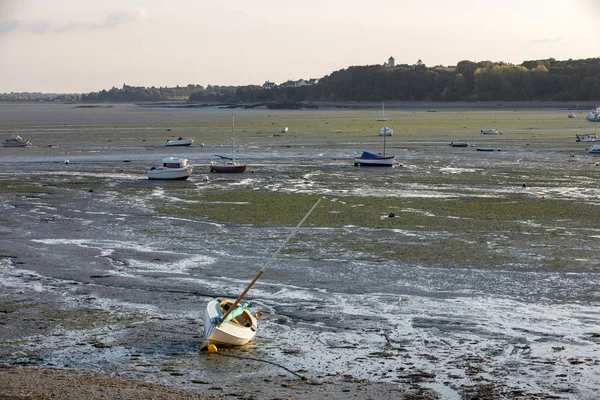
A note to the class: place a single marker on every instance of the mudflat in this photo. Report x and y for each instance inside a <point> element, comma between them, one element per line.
<point>455,274</point>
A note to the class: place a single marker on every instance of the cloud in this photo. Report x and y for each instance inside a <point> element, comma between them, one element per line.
<point>113,20</point>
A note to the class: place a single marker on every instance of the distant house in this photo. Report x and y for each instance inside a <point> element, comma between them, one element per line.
<point>390,63</point>
<point>268,85</point>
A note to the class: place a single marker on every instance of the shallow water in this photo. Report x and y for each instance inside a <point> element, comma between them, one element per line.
<point>527,325</point>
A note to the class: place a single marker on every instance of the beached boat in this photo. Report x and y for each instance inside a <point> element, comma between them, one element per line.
<point>595,149</point>
<point>587,137</point>
<point>172,169</point>
<point>236,330</point>
<point>491,131</point>
<point>16,141</point>
<point>179,142</point>
<point>572,116</point>
<point>385,131</point>
<point>283,129</point>
<point>459,144</point>
<point>228,164</point>
<point>594,115</point>
<point>382,118</point>
<point>369,159</point>
<point>230,323</point>
<point>485,149</point>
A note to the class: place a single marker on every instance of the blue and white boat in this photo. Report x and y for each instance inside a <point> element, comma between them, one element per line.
<point>594,115</point>
<point>367,159</point>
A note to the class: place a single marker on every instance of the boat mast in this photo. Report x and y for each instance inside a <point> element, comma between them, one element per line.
<point>232,137</point>
<point>237,301</point>
<point>384,135</point>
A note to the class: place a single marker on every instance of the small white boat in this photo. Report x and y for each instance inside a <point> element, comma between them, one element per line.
<point>595,149</point>
<point>459,144</point>
<point>239,327</point>
<point>491,131</point>
<point>179,142</point>
<point>385,131</point>
<point>572,116</point>
<point>230,323</point>
<point>587,137</point>
<point>16,141</point>
<point>172,169</point>
<point>284,129</point>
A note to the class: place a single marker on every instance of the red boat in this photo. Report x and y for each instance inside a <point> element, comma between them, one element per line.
<point>226,165</point>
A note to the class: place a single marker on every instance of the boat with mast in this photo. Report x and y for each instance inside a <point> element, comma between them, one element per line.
<point>368,159</point>
<point>228,164</point>
<point>382,118</point>
<point>229,322</point>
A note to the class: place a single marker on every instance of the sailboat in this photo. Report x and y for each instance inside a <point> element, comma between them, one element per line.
<point>382,118</point>
<point>596,148</point>
<point>231,323</point>
<point>368,159</point>
<point>228,164</point>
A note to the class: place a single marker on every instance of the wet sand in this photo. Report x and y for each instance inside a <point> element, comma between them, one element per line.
<point>106,272</point>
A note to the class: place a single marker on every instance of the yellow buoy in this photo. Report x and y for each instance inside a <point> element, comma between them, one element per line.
<point>212,348</point>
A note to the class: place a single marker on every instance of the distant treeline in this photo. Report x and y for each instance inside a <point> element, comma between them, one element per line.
<point>140,93</point>
<point>571,80</point>
<point>37,96</point>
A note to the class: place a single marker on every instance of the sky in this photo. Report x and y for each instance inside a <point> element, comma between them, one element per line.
<point>80,46</point>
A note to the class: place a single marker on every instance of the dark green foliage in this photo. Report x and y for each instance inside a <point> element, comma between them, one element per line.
<point>576,80</point>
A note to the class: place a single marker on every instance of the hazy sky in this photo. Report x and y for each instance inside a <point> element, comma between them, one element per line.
<point>85,45</point>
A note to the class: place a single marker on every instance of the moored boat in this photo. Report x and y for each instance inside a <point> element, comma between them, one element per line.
<point>385,131</point>
<point>485,149</point>
<point>367,159</point>
<point>283,129</point>
<point>587,137</point>
<point>230,323</point>
<point>172,169</point>
<point>236,330</point>
<point>459,144</point>
<point>491,131</point>
<point>228,164</point>
<point>179,142</point>
<point>594,115</point>
<point>16,141</point>
<point>383,117</point>
<point>595,149</point>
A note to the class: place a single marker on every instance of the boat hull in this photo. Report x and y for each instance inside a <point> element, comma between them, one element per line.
<point>459,144</point>
<point>179,142</point>
<point>229,333</point>
<point>227,168</point>
<point>25,144</point>
<point>163,173</point>
<point>595,149</point>
<point>377,162</point>
<point>587,137</point>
